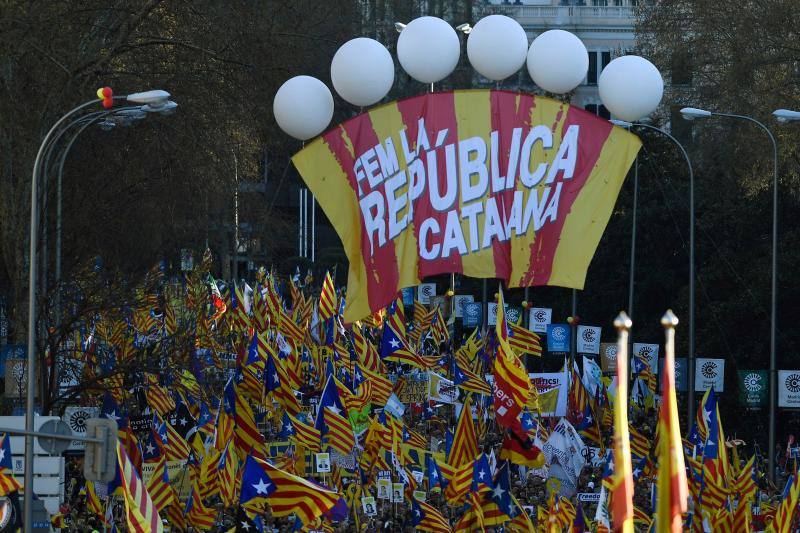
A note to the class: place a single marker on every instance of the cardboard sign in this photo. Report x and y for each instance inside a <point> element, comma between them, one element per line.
<point>368,504</point>
<point>323,461</point>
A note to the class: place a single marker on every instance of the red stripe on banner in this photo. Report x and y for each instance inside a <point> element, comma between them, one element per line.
<point>593,135</point>
<point>381,266</point>
<point>440,114</point>
<point>509,110</point>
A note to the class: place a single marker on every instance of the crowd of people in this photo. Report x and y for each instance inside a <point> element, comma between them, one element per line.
<point>232,386</point>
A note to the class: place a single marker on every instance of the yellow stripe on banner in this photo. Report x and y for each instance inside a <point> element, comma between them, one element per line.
<point>388,122</point>
<point>339,201</point>
<point>592,208</point>
<point>473,114</point>
<point>552,114</point>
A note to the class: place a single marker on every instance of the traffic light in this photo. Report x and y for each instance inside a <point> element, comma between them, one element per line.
<point>100,460</point>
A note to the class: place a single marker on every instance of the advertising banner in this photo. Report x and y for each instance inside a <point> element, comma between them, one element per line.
<point>485,183</point>
<point>789,388</point>
<point>681,374</point>
<point>588,339</point>
<point>473,314</point>
<point>425,292</point>
<point>539,318</point>
<point>608,356</point>
<point>753,388</point>
<point>644,353</point>
<point>552,388</point>
<point>709,373</point>
<point>460,300</point>
<point>558,338</point>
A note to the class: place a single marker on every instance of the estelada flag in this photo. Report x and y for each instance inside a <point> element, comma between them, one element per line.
<point>489,184</point>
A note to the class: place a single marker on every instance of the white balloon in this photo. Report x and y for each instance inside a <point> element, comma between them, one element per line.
<point>362,71</point>
<point>557,61</point>
<point>428,49</point>
<point>497,46</point>
<point>631,87</point>
<point>303,107</point>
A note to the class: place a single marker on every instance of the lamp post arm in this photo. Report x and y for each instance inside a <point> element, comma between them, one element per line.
<point>773,371</point>
<point>691,355</point>
<point>31,369</point>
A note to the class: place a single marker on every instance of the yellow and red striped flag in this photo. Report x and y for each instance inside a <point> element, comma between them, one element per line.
<point>159,488</point>
<point>141,513</point>
<point>583,180</point>
<point>672,488</point>
<point>622,478</point>
<point>465,441</point>
<point>305,435</point>
<point>524,340</point>
<point>511,382</point>
<point>197,514</point>
<point>340,435</point>
<point>327,298</point>
<point>297,495</point>
<point>8,483</point>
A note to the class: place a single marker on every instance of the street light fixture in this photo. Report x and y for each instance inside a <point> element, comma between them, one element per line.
<point>786,115</point>
<point>399,26</point>
<point>465,28</point>
<point>155,99</point>
<point>691,355</point>
<point>691,113</point>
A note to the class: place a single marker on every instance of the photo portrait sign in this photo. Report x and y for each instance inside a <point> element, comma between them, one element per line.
<point>484,183</point>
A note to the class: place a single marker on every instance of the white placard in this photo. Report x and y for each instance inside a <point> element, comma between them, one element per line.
<point>384,488</point>
<point>425,291</point>
<point>708,373</point>
<point>588,339</point>
<point>459,300</point>
<point>538,318</point>
<point>646,352</point>
<point>75,416</point>
<point>552,388</point>
<point>420,495</point>
<point>323,462</point>
<point>789,388</point>
<point>368,504</point>
<point>397,492</point>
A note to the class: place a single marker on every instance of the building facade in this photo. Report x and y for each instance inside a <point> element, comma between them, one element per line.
<point>606,27</point>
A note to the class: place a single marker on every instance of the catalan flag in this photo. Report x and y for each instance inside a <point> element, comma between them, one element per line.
<point>338,432</point>
<point>672,487</point>
<point>524,340</point>
<point>297,495</point>
<point>622,479</point>
<point>8,482</point>
<point>197,514</point>
<point>305,435</point>
<point>159,488</point>
<point>511,382</point>
<point>141,513</point>
<point>227,467</point>
<point>425,517</point>
<point>327,298</point>
<point>465,441</point>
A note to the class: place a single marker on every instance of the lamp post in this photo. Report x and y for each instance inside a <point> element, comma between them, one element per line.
<point>691,113</point>
<point>690,359</point>
<point>155,99</point>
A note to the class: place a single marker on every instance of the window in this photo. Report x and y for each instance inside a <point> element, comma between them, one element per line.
<point>597,62</point>
<point>600,3</point>
<point>599,110</point>
<point>591,77</point>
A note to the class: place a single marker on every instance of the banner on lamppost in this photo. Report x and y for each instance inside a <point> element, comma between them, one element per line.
<point>539,318</point>
<point>459,301</point>
<point>753,388</point>
<point>608,356</point>
<point>789,388</point>
<point>552,388</point>
<point>558,338</point>
<point>473,314</point>
<point>425,292</point>
<point>588,339</point>
<point>644,353</point>
<point>709,373</point>
<point>484,183</point>
<point>681,374</point>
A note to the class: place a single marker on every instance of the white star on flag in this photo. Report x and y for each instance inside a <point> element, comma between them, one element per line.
<point>261,487</point>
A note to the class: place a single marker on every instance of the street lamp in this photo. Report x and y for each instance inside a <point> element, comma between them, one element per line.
<point>786,115</point>
<point>152,98</point>
<point>691,356</point>
<point>691,113</point>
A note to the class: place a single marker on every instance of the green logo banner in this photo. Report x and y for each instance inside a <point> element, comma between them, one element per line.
<point>753,388</point>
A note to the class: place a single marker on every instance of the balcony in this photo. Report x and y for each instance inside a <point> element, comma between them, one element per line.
<point>554,16</point>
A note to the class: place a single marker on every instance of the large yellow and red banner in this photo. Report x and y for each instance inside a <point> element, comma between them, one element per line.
<point>490,184</point>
